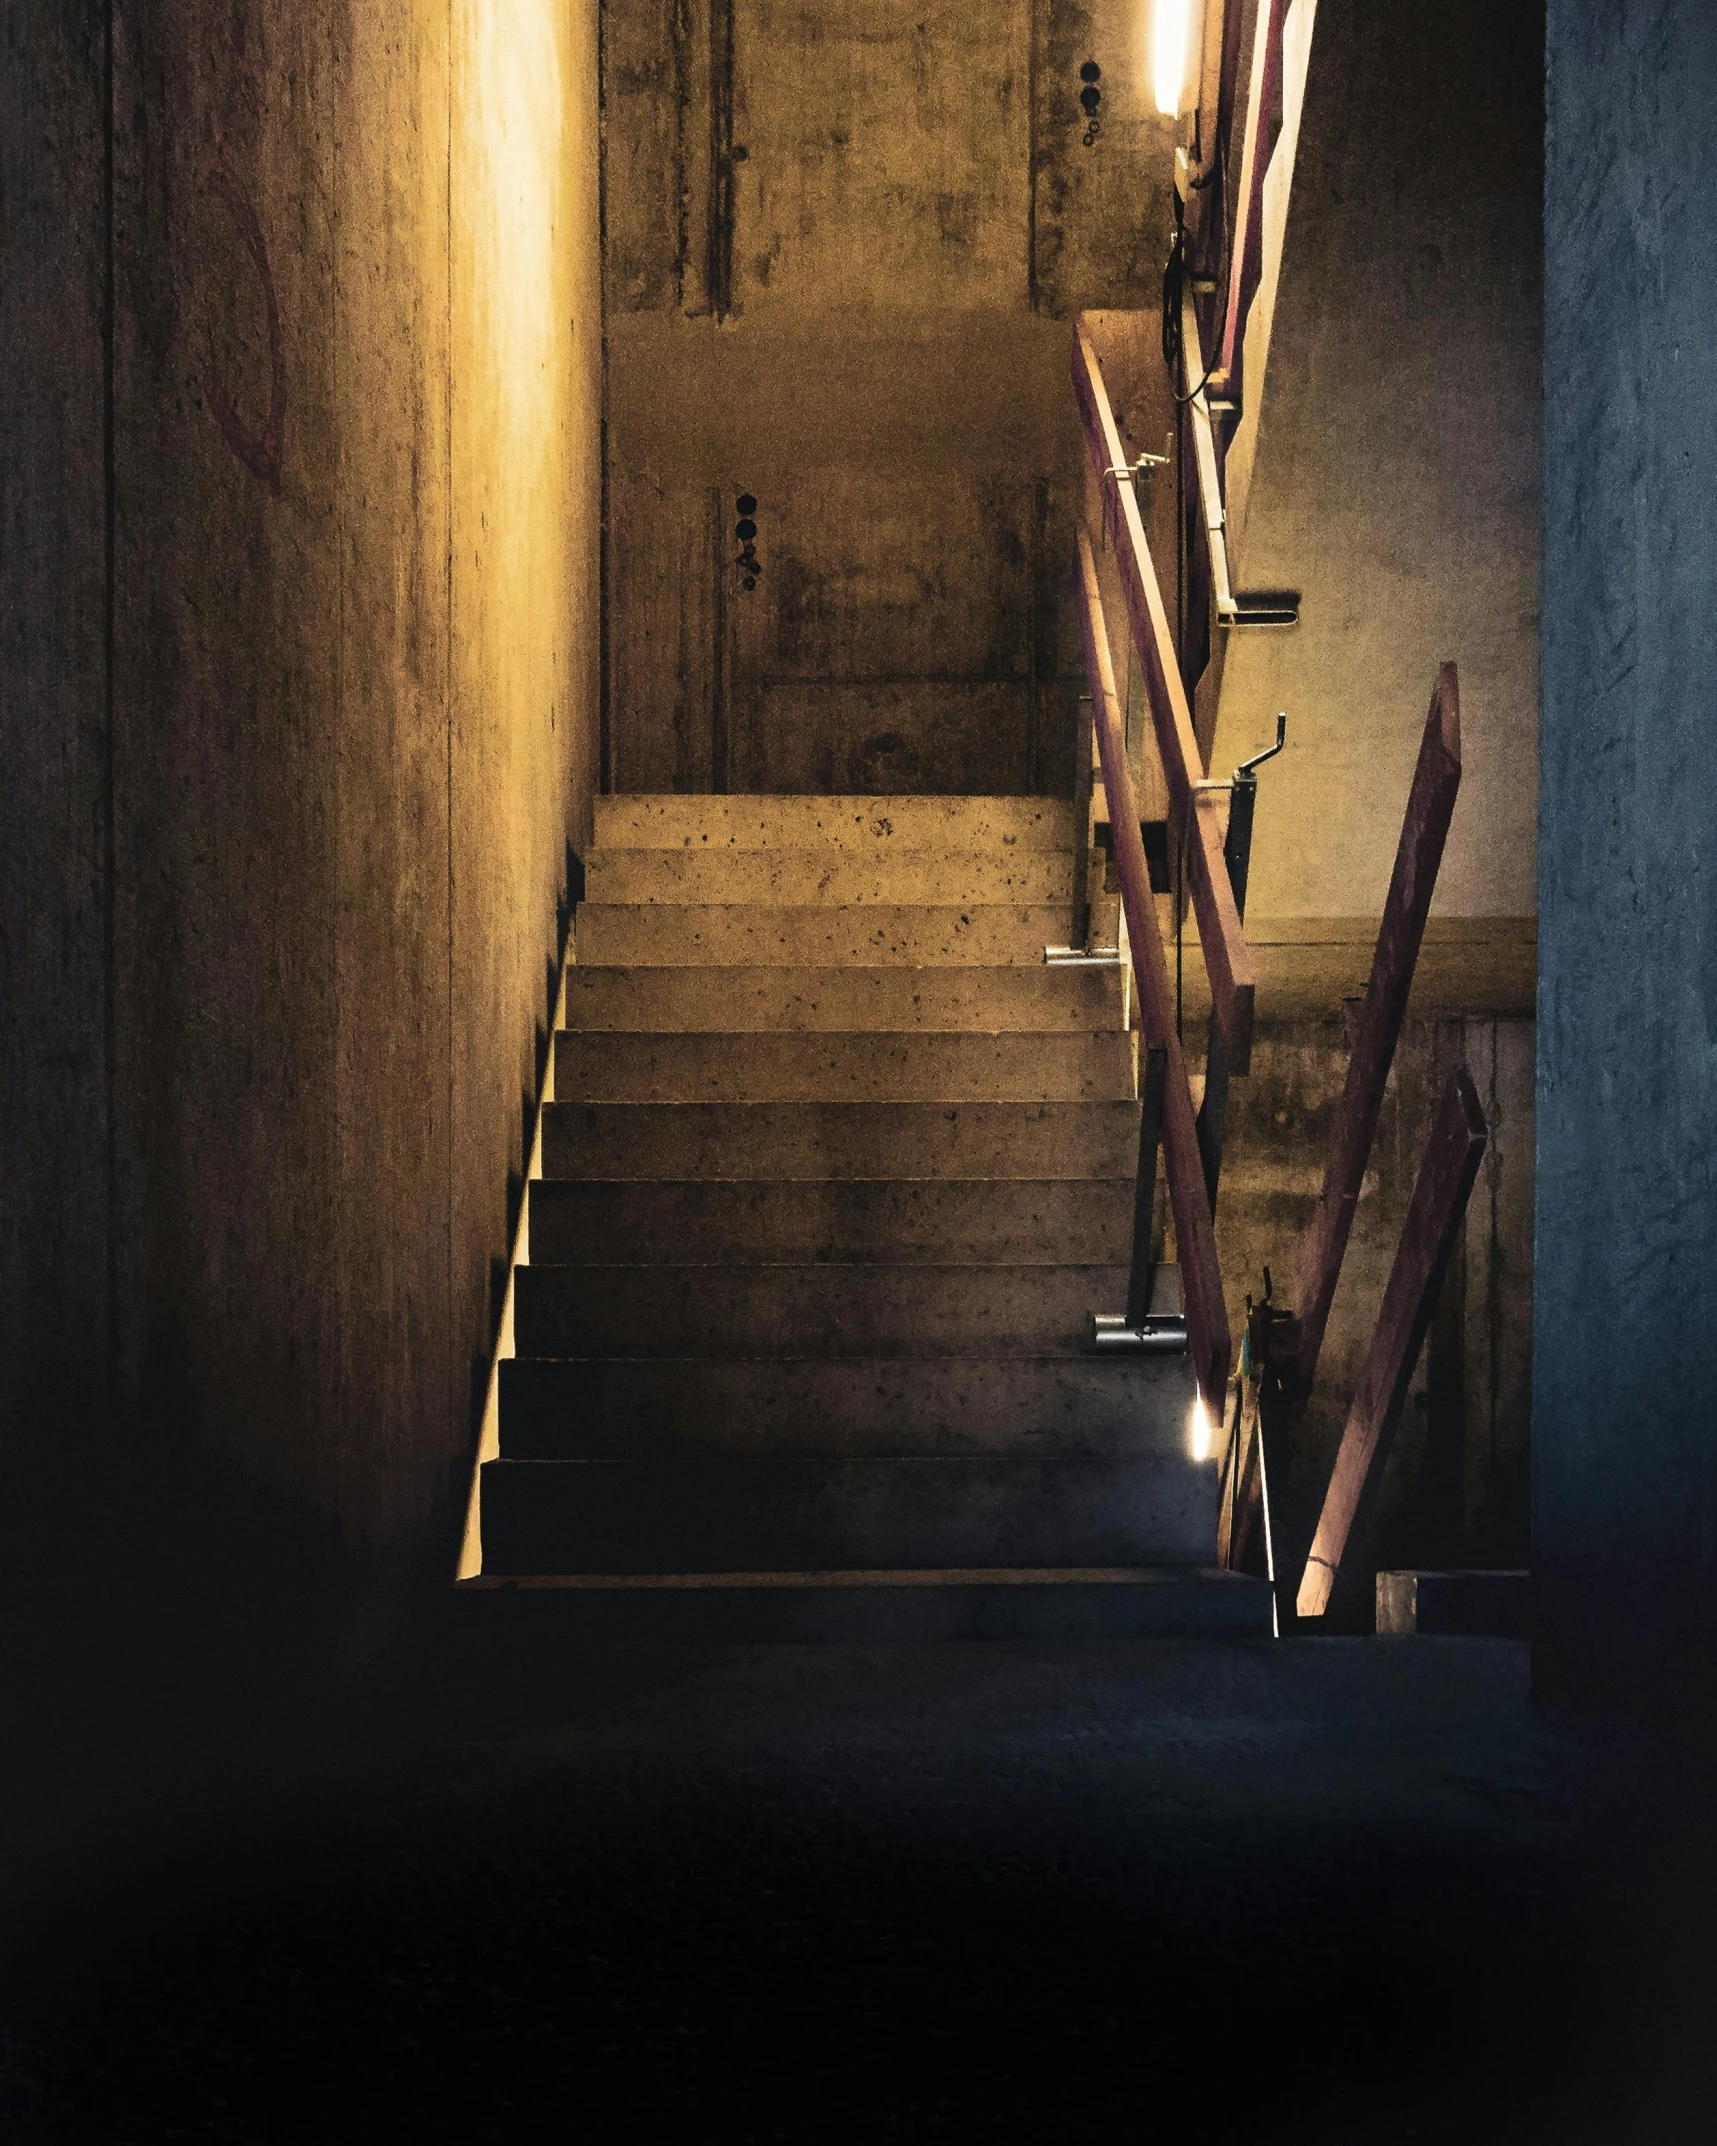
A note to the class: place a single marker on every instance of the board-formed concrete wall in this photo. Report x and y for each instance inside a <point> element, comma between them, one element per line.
<point>300,320</point>
<point>1625,1460</point>
<point>845,242</point>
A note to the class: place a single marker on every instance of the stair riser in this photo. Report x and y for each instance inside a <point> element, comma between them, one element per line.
<point>865,825</point>
<point>810,1311</point>
<point>828,876</point>
<point>840,1140</point>
<point>924,1220</point>
<point>698,1001</point>
<point>751,935</point>
<point>801,1515</point>
<point>843,1069</point>
<point>539,1621</point>
<point>631,1409</point>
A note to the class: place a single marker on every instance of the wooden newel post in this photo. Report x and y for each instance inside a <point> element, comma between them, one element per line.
<point>1446,1174</point>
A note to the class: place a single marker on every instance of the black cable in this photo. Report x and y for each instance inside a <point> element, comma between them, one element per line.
<point>1174,288</point>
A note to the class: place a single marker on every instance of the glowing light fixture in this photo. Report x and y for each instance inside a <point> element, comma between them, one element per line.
<point>1200,1431</point>
<point>1173,24</point>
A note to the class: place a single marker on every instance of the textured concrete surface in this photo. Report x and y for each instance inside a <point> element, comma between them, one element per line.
<point>1396,474</point>
<point>1625,1466</point>
<point>300,482</point>
<point>1321,1890</point>
<point>843,244</point>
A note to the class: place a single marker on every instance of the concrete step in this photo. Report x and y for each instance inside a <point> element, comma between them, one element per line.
<point>608,1067</point>
<point>810,1310</point>
<point>869,935</point>
<point>630,1408</point>
<point>817,1515</point>
<point>889,874</point>
<point>943,1221</point>
<point>751,821</point>
<point>702,1001</point>
<point>840,1140</point>
<point>867,1607</point>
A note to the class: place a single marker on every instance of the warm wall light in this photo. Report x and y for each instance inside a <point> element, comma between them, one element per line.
<point>1174,24</point>
<point>1200,1432</point>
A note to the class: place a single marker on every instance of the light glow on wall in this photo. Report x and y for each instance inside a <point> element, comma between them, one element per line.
<point>1173,25</point>
<point>1200,1431</point>
<point>517,120</point>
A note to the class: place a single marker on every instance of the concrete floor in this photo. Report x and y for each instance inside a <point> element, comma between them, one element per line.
<point>1351,1890</point>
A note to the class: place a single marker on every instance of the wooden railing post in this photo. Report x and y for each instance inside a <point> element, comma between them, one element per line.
<point>1446,1173</point>
<point>1430,805</point>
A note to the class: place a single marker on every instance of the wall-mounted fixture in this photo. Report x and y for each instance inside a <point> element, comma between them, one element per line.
<point>745,534</point>
<point>1090,97</point>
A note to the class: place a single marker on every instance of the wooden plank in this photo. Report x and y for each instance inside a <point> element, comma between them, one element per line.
<point>1246,257</point>
<point>1430,804</point>
<point>1195,1235</point>
<point>1446,1174</point>
<point>1227,958</point>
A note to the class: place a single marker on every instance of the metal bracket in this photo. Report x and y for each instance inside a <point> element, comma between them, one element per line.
<point>1162,1334</point>
<point>1077,957</point>
<point>1272,607</point>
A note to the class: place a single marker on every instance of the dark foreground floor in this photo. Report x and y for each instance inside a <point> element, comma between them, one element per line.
<point>1344,1891</point>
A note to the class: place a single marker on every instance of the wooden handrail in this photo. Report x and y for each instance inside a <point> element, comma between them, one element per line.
<point>1246,255</point>
<point>1228,959</point>
<point>1195,1234</point>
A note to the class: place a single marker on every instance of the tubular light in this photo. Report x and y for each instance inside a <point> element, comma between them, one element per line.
<point>1172,24</point>
<point>1199,1429</point>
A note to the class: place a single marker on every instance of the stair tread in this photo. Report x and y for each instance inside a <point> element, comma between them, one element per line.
<point>840,999</point>
<point>757,820</point>
<point>885,1576</point>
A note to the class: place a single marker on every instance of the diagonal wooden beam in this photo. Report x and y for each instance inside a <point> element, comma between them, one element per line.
<point>1430,804</point>
<point>1228,960</point>
<point>1446,1173</point>
<point>1246,254</point>
<point>1195,1234</point>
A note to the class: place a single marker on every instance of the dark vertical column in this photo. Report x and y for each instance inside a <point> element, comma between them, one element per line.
<point>1625,1468</point>
<point>55,794</point>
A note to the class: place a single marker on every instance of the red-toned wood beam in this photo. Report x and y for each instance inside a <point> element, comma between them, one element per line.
<point>1446,1174</point>
<point>1195,1234</point>
<point>1246,255</point>
<point>1430,804</point>
<point>1228,959</point>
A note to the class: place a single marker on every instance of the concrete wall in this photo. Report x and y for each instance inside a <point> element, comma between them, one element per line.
<point>299,484</point>
<point>1625,1511</point>
<point>1395,484</point>
<point>844,242</point>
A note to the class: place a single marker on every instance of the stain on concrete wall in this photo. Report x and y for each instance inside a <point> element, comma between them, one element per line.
<point>843,242</point>
<point>325,719</point>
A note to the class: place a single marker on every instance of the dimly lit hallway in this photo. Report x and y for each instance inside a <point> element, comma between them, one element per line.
<point>1324,1890</point>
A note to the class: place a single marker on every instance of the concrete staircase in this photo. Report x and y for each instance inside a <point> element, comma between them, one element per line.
<point>835,1172</point>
